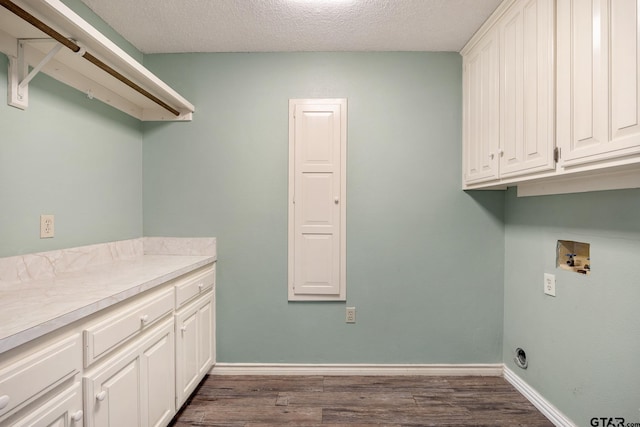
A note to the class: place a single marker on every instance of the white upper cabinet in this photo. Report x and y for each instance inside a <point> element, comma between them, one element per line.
<point>508,94</point>
<point>481,110</point>
<point>566,76</point>
<point>598,91</point>
<point>527,88</point>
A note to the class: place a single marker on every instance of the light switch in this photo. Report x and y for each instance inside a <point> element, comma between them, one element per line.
<point>550,284</point>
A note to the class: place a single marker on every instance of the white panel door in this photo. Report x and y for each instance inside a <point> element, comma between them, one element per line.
<point>317,155</point>
<point>481,111</point>
<point>527,88</point>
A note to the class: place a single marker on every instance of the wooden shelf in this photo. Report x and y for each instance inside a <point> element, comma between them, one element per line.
<point>74,70</point>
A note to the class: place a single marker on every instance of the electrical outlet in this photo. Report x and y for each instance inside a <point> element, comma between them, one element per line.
<point>351,315</point>
<point>46,226</point>
<point>550,284</point>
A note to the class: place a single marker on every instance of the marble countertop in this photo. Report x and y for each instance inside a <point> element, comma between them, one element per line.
<point>32,308</point>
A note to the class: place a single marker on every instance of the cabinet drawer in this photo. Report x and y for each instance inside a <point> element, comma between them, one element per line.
<point>190,287</point>
<point>39,372</point>
<point>65,409</point>
<point>118,328</point>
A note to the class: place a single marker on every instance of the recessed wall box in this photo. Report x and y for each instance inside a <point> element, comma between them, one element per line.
<point>573,256</point>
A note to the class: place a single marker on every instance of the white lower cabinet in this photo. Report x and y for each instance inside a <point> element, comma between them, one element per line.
<point>142,358</point>
<point>195,345</point>
<point>63,410</point>
<point>31,377</point>
<point>136,386</point>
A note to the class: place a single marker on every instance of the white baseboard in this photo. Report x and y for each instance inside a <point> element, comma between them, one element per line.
<point>492,370</point>
<point>543,405</point>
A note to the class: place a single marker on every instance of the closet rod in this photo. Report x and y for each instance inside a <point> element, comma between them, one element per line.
<point>17,10</point>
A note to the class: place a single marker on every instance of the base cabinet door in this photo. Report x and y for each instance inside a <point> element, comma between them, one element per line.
<point>117,397</point>
<point>158,361</point>
<point>63,410</point>
<point>195,345</point>
<point>136,386</point>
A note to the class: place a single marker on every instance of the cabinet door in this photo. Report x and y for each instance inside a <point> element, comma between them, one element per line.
<point>114,399</point>
<point>317,199</point>
<point>625,73</point>
<point>481,110</point>
<point>582,128</point>
<point>195,345</point>
<point>598,71</point>
<point>527,88</point>
<point>63,410</point>
<point>158,364</point>
<point>135,387</point>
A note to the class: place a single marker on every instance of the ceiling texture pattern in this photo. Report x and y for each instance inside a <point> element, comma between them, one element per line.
<point>172,26</point>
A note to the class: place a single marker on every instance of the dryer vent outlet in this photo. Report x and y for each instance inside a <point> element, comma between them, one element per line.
<point>521,358</point>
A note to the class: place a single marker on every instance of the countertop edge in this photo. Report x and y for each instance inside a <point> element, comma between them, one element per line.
<point>12,341</point>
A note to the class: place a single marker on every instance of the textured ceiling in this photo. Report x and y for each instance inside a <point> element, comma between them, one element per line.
<point>164,26</point>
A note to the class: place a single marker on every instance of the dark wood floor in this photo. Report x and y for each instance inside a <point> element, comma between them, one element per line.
<point>353,401</point>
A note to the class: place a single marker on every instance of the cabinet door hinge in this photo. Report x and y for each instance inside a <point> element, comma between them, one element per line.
<point>556,154</point>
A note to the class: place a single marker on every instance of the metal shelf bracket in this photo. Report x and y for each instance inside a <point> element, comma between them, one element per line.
<point>19,75</point>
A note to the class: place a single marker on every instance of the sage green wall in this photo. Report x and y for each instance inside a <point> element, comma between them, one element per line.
<point>583,346</point>
<point>66,155</point>
<point>72,157</point>
<point>424,259</point>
